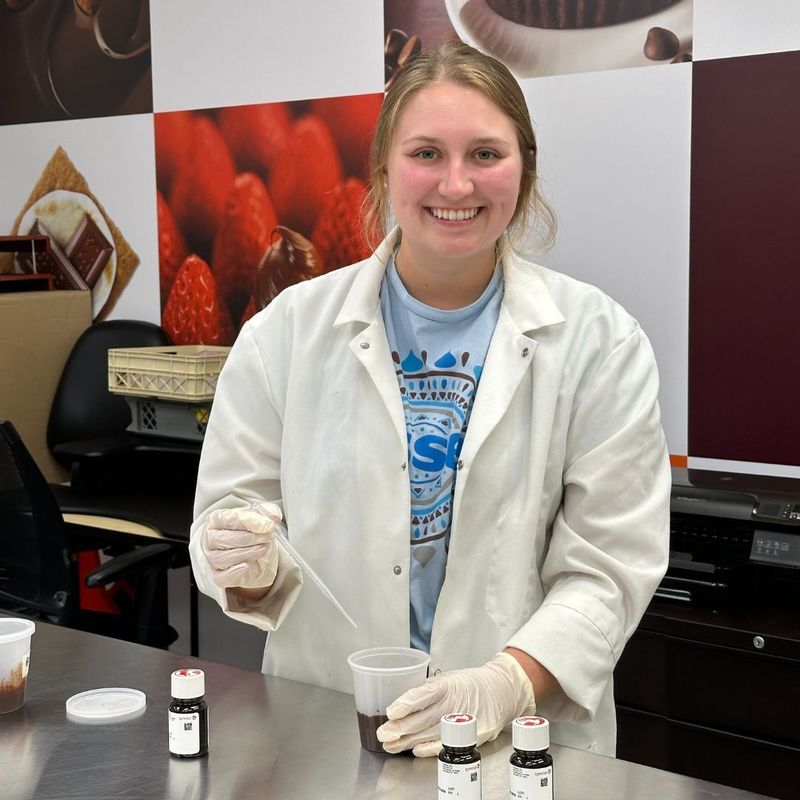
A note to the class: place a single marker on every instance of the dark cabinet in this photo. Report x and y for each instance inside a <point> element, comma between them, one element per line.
<point>715,695</point>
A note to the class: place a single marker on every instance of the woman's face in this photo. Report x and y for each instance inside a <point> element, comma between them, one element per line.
<point>454,172</point>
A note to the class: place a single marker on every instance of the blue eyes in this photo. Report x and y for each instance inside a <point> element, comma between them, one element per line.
<point>429,154</point>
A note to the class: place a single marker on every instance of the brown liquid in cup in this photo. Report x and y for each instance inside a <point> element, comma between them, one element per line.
<point>12,691</point>
<point>367,726</point>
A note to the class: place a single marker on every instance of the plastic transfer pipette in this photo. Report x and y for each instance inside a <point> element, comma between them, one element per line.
<point>308,569</point>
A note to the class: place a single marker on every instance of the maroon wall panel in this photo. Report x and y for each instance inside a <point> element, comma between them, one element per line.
<point>744,313</point>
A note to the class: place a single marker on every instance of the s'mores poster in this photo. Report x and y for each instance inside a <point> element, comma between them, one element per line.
<point>86,185</point>
<point>87,250</point>
<point>534,38</point>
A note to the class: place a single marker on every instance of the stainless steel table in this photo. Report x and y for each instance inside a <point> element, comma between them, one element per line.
<point>269,738</point>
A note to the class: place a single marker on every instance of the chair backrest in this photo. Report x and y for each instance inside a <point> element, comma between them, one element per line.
<point>82,407</point>
<point>37,574</point>
<point>38,571</point>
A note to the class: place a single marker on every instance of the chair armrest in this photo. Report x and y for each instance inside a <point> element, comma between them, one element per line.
<point>131,563</point>
<point>100,447</point>
<point>125,444</point>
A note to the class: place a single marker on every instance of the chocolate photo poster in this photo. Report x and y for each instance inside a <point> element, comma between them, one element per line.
<point>74,58</point>
<point>253,198</point>
<point>535,38</point>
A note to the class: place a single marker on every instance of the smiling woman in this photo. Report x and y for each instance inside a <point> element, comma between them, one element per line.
<point>466,446</point>
<point>493,87</point>
<point>454,171</point>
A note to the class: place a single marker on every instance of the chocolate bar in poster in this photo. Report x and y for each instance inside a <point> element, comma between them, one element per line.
<point>89,250</point>
<point>55,263</point>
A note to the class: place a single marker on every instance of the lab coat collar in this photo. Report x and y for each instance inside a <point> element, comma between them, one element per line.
<point>526,297</point>
<point>362,303</point>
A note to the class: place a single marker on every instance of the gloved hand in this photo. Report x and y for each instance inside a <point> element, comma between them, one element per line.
<point>240,546</point>
<point>495,693</point>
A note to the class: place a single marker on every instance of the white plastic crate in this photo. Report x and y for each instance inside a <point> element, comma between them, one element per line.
<point>168,418</point>
<point>184,373</point>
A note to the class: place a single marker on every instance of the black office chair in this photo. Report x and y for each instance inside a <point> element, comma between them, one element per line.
<point>116,473</point>
<point>38,574</point>
<point>86,430</point>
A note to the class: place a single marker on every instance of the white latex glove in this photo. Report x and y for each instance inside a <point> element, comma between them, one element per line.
<point>240,546</point>
<point>495,693</point>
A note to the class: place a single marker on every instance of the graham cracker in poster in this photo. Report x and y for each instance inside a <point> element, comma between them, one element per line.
<point>62,196</point>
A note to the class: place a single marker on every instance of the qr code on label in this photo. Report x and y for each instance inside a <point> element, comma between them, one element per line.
<point>474,776</point>
<point>543,781</point>
<point>187,726</point>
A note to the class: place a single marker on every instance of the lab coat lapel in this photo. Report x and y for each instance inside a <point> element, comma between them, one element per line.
<point>527,307</point>
<point>370,346</point>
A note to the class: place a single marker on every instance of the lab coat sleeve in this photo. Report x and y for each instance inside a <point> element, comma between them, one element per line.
<point>610,536</point>
<point>240,464</point>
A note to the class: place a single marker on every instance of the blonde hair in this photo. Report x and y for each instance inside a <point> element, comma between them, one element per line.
<point>463,65</point>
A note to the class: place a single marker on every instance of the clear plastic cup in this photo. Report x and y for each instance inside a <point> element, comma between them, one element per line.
<point>380,676</point>
<point>15,655</point>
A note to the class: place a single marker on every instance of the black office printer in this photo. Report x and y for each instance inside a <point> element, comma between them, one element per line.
<point>733,538</point>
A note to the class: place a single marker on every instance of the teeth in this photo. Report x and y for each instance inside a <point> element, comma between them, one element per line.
<point>453,214</point>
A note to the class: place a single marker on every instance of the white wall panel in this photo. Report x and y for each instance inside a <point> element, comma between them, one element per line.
<point>209,53</point>
<point>748,467</point>
<point>725,28</point>
<point>615,154</point>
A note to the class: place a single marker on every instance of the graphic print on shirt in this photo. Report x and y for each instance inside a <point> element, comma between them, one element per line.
<point>437,399</point>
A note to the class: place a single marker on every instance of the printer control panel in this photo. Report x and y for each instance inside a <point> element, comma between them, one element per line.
<point>777,511</point>
<point>776,547</point>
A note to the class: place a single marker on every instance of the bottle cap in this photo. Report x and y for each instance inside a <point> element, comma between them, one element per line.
<point>459,730</point>
<point>188,683</point>
<point>530,734</point>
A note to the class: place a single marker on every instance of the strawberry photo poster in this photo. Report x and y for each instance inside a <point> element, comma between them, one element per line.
<point>252,199</point>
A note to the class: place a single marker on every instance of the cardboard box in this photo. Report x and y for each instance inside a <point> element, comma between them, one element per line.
<point>37,333</point>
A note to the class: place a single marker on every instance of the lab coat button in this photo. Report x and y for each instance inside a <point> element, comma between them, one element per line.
<point>403,466</point>
<point>525,351</point>
<point>397,569</point>
<point>460,464</point>
<point>365,345</point>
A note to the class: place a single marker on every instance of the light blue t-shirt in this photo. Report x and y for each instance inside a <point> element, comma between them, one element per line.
<point>438,358</point>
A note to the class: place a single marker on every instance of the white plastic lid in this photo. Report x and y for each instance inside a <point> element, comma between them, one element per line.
<point>530,734</point>
<point>106,705</point>
<point>459,730</point>
<point>13,629</point>
<point>188,683</point>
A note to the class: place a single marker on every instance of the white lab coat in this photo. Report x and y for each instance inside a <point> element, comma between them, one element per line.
<point>560,515</point>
